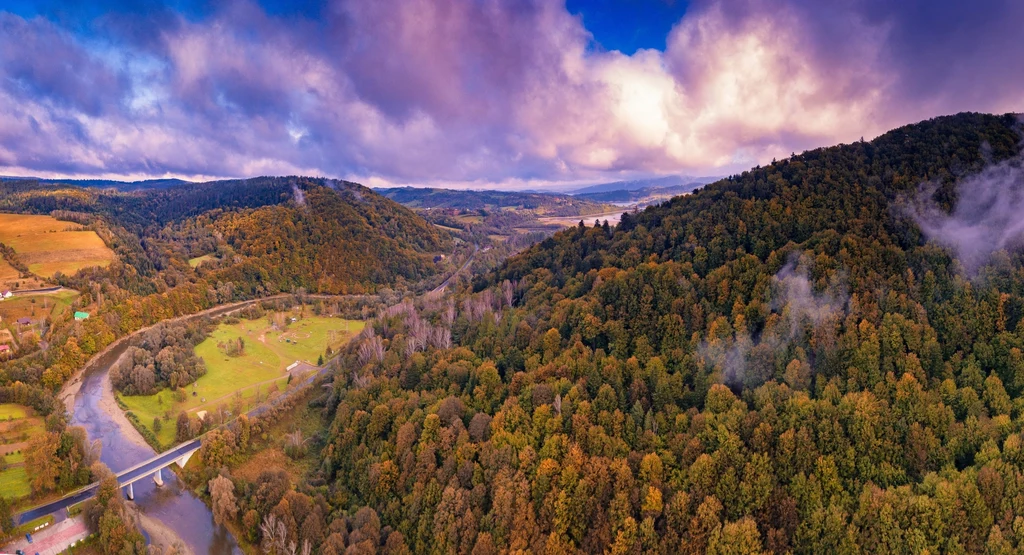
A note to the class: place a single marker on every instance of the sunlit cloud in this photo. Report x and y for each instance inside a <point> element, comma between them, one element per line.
<point>479,93</point>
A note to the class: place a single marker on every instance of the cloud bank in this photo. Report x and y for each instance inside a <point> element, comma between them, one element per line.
<point>489,91</point>
<point>988,216</point>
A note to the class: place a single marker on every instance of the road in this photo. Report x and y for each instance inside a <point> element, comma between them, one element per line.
<point>150,466</point>
<point>160,461</point>
<point>58,505</point>
<point>445,283</point>
<point>124,478</point>
<point>44,290</point>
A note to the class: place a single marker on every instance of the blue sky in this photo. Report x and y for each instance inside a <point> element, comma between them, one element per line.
<point>629,25</point>
<point>502,93</point>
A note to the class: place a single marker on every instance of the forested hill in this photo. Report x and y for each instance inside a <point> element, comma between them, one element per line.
<point>262,235</point>
<point>781,362</point>
<point>338,239</point>
<point>186,248</point>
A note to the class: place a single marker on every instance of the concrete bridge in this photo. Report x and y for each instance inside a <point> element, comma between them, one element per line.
<point>151,468</point>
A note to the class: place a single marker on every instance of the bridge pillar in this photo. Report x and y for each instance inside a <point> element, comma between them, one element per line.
<point>158,477</point>
<point>131,492</point>
<point>184,459</point>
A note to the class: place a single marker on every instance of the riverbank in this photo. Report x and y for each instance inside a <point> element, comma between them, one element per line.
<point>71,388</point>
<point>108,404</point>
<point>161,536</point>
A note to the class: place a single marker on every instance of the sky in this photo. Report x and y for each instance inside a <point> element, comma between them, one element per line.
<point>482,93</point>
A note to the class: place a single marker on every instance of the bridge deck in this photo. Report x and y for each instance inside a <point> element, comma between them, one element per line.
<point>124,478</point>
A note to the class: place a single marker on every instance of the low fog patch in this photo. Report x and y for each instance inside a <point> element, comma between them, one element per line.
<point>988,216</point>
<point>798,310</point>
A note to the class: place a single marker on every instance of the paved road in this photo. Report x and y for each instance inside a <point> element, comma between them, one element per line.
<point>124,478</point>
<point>445,283</point>
<point>54,506</point>
<point>37,291</point>
<point>167,457</point>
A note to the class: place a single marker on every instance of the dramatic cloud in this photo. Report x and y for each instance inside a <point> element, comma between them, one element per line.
<point>988,216</point>
<point>489,91</point>
<point>797,310</point>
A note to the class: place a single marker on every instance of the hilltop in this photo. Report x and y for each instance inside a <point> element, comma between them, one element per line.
<point>791,359</point>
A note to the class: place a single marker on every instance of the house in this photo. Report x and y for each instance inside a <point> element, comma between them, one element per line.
<point>6,294</point>
<point>439,258</point>
<point>5,350</point>
<point>81,315</point>
<point>25,321</point>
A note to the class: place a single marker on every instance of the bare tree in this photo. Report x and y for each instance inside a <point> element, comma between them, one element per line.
<point>371,350</point>
<point>508,291</point>
<point>275,535</point>
<point>441,338</point>
<point>449,313</point>
<point>295,444</point>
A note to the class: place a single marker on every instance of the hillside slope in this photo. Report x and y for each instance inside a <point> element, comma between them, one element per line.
<point>782,361</point>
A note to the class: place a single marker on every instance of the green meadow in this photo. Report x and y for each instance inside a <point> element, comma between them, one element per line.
<point>257,370</point>
<point>17,424</point>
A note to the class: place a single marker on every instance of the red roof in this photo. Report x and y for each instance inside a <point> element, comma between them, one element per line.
<point>4,348</point>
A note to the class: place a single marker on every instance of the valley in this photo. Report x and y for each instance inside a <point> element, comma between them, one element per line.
<point>713,362</point>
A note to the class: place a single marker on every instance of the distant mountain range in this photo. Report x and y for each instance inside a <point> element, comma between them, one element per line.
<point>674,181</point>
<point>105,183</point>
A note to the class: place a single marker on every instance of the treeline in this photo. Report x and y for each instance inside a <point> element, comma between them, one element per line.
<point>164,357</point>
<point>487,202</point>
<point>777,363</point>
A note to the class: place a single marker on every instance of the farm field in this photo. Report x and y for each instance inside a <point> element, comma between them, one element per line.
<point>588,220</point>
<point>47,245</point>
<point>17,424</point>
<point>7,272</point>
<point>250,376</point>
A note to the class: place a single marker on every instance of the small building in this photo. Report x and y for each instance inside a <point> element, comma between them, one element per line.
<point>439,258</point>
<point>5,350</point>
<point>81,315</point>
<point>6,294</point>
<point>24,321</point>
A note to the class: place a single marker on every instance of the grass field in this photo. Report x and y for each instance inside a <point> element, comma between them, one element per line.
<point>569,221</point>
<point>267,354</point>
<point>14,483</point>
<point>37,306</point>
<point>195,262</point>
<point>10,411</point>
<point>470,219</point>
<point>47,245</point>
<point>17,424</point>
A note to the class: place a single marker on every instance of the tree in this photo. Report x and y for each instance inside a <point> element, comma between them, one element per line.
<point>41,461</point>
<point>6,516</point>
<point>184,427</point>
<point>222,497</point>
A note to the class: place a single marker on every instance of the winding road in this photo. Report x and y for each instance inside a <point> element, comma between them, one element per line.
<point>440,288</point>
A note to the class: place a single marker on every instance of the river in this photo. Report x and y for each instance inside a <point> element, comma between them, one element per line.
<point>173,504</point>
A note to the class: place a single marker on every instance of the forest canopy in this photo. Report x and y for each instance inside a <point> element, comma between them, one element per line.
<point>780,362</point>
